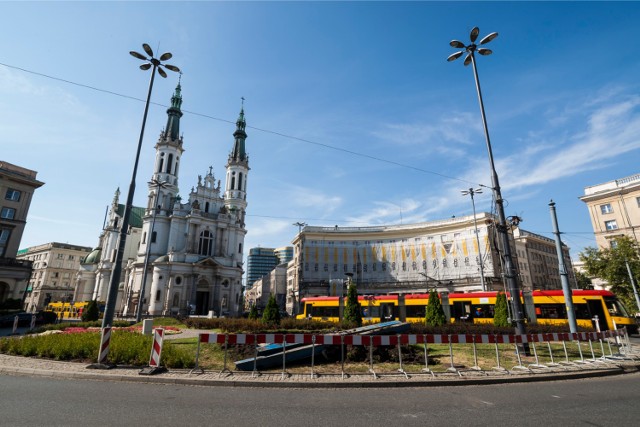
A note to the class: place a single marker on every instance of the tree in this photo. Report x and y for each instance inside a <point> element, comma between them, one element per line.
<point>583,280</point>
<point>435,313</point>
<point>352,312</point>
<point>610,265</point>
<point>271,314</point>
<point>501,312</point>
<point>253,312</point>
<point>91,312</point>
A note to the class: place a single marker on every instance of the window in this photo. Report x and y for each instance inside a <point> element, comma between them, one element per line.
<point>611,225</point>
<point>206,241</point>
<point>8,213</point>
<point>638,201</point>
<point>613,244</point>
<point>606,208</point>
<point>13,195</point>
<point>4,240</point>
<point>153,237</point>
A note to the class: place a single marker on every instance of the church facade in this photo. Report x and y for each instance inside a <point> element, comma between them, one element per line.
<point>190,254</point>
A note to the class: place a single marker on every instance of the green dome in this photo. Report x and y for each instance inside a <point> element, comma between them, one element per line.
<point>93,257</point>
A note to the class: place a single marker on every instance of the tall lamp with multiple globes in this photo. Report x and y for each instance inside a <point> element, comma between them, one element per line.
<point>156,65</point>
<point>502,228</point>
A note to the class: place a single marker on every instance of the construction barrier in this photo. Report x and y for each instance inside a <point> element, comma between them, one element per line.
<point>156,352</point>
<point>400,340</point>
<point>156,349</point>
<point>386,340</point>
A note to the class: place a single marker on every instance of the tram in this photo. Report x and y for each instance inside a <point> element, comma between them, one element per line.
<point>543,307</point>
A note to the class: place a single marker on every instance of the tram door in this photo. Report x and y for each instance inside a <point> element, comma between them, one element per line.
<point>462,311</point>
<point>386,312</point>
<point>596,309</point>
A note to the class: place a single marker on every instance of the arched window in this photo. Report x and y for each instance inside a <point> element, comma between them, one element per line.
<point>169,163</point>
<point>176,300</point>
<point>233,180</point>
<point>161,163</point>
<point>206,207</point>
<point>177,164</point>
<point>240,181</point>
<point>206,241</point>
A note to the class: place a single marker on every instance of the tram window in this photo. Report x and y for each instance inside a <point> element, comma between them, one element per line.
<point>614,307</point>
<point>582,311</point>
<point>551,311</point>
<point>416,311</point>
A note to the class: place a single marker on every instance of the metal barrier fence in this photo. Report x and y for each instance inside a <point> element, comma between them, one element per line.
<point>620,337</point>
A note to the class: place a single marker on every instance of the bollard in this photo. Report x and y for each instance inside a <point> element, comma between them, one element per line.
<point>33,322</point>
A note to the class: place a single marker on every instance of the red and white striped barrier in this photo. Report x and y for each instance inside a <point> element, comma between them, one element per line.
<point>105,340</point>
<point>156,349</point>
<point>388,340</point>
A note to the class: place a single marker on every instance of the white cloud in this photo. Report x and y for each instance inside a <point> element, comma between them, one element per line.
<point>611,131</point>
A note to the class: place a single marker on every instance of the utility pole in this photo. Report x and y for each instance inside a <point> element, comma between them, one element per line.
<point>564,280</point>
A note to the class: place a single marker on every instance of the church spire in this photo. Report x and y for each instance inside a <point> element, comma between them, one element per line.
<point>238,154</point>
<point>172,130</point>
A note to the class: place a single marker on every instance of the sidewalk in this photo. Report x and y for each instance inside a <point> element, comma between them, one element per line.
<point>15,365</point>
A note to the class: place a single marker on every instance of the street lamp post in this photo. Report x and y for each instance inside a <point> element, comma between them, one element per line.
<point>112,295</point>
<point>158,185</point>
<point>471,192</point>
<point>509,271</point>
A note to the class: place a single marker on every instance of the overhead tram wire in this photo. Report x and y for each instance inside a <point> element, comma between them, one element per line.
<point>320,144</point>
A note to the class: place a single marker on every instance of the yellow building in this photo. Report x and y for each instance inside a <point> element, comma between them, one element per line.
<point>614,208</point>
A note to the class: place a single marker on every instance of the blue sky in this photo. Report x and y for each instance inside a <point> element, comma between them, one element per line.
<point>354,116</point>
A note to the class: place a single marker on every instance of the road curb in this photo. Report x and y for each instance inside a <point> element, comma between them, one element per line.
<point>303,381</point>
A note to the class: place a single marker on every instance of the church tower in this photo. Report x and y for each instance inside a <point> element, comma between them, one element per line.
<point>163,189</point>
<point>235,194</point>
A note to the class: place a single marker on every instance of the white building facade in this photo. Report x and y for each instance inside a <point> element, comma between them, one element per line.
<point>192,249</point>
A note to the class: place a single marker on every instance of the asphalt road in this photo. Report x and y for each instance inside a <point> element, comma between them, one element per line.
<point>27,401</point>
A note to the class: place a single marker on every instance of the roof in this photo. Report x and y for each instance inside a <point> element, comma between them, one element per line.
<point>135,218</point>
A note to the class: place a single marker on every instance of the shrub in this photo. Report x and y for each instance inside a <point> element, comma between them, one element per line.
<point>501,313</point>
<point>271,315</point>
<point>91,312</point>
<point>435,313</point>
<point>352,312</point>
<point>253,312</point>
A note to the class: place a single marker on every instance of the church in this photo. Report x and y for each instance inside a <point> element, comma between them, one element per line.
<point>186,257</point>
